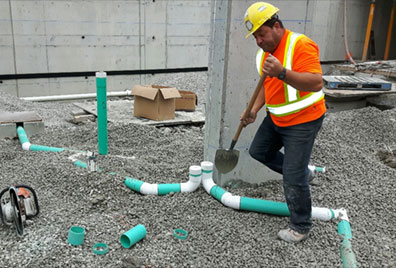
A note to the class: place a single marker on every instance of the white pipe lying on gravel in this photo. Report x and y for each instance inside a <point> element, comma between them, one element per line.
<point>281,209</point>
<point>191,185</point>
<point>255,204</point>
<point>77,96</point>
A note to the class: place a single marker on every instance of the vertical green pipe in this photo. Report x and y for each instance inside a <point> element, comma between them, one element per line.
<point>101,99</point>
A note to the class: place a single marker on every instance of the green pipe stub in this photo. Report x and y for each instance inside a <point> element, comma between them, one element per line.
<point>100,248</point>
<point>180,234</point>
<point>134,235</point>
<point>76,235</point>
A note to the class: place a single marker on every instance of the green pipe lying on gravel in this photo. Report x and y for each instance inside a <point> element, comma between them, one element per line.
<point>26,145</point>
<point>195,175</point>
<point>347,255</point>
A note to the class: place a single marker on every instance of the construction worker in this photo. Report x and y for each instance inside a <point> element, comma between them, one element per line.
<point>294,100</point>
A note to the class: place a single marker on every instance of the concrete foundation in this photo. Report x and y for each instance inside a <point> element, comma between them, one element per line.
<point>8,131</point>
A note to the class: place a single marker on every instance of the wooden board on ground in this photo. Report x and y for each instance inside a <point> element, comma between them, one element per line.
<point>122,111</point>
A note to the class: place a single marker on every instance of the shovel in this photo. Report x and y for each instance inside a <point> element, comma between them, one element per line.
<point>226,160</point>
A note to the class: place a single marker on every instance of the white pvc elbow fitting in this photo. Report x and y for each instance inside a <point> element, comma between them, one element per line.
<point>195,176</point>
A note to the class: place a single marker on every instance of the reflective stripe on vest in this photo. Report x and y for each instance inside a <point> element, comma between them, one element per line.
<point>294,103</point>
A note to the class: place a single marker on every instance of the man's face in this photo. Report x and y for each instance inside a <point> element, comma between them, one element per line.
<point>267,38</point>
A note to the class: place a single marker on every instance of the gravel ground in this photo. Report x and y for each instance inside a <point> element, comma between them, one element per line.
<point>350,145</point>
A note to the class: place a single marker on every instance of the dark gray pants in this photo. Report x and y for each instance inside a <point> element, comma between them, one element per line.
<point>297,141</point>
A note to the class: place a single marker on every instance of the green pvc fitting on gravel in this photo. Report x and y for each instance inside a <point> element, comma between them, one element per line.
<point>164,189</point>
<point>264,206</point>
<point>101,100</point>
<point>217,192</point>
<point>35,147</point>
<point>81,164</point>
<point>134,235</point>
<point>133,184</point>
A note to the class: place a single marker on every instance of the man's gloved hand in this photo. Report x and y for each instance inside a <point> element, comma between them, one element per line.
<point>272,67</point>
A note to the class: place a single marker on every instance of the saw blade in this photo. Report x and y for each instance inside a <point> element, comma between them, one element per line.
<point>16,210</point>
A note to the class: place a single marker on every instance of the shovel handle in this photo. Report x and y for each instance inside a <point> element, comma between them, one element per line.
<point>248,108</point>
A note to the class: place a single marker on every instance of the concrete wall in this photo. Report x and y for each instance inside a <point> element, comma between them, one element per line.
<point>87,36</point>
<point>233,75</point>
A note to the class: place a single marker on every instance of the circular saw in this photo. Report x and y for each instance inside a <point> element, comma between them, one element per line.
<point>17,204</point>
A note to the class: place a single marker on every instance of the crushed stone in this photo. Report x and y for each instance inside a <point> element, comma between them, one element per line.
<point>349,145</point>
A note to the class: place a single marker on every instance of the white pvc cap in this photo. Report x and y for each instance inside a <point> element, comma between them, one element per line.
<point>195,170</point>
<point>101,74</point>
<point>206,165</point>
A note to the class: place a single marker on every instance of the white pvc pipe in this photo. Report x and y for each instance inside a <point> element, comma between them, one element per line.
<point>148,188</point>
<point>195,176</point>
<point>77,96</point>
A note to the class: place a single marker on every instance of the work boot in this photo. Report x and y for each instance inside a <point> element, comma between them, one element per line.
<point>291,236</point>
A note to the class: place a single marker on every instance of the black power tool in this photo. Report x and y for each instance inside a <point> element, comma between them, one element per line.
<point>17,204</point>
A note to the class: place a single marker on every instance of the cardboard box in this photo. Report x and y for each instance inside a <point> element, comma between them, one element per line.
<point>187,102</point>
<point>155,102</point>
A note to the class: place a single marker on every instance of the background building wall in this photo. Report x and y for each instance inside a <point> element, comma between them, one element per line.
<point>88,36</point>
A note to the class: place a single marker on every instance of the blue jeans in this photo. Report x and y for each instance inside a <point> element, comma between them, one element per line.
<point>298,141</point>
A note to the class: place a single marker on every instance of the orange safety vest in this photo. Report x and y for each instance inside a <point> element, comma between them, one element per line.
<point>287,105</point>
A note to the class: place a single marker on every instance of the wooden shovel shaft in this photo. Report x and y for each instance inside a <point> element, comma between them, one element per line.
<point>247,111</point>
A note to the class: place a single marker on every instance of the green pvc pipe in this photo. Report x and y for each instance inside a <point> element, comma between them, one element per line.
<point>134,235</point>
<point>81,164</point>
<point>344,229</point>
<point>35,147</point>
<point>264,206</point>
<point>217,192</point>
<point>101,100</point>
<point>347,255</point>
<point>133,184</point>
<point>164,189</point>
<point>22,135</point>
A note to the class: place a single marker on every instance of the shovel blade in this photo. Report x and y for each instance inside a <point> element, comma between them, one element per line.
<point>226,160</point>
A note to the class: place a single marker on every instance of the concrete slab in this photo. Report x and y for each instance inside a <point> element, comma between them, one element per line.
<point>8,130</point>
<point>19,117</point>
<point>122,111</point>
<point>33,128</point>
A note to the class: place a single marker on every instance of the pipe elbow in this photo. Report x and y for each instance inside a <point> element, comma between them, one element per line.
<point>190,186</point>
<point>148,188</point>
<point>232,201</point>
<point>26,146</point>
<point>208,184</point>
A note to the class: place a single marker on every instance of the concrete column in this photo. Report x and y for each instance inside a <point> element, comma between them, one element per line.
<point>232,80</point>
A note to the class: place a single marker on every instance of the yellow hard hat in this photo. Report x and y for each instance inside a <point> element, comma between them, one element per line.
<point>257,14</point>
